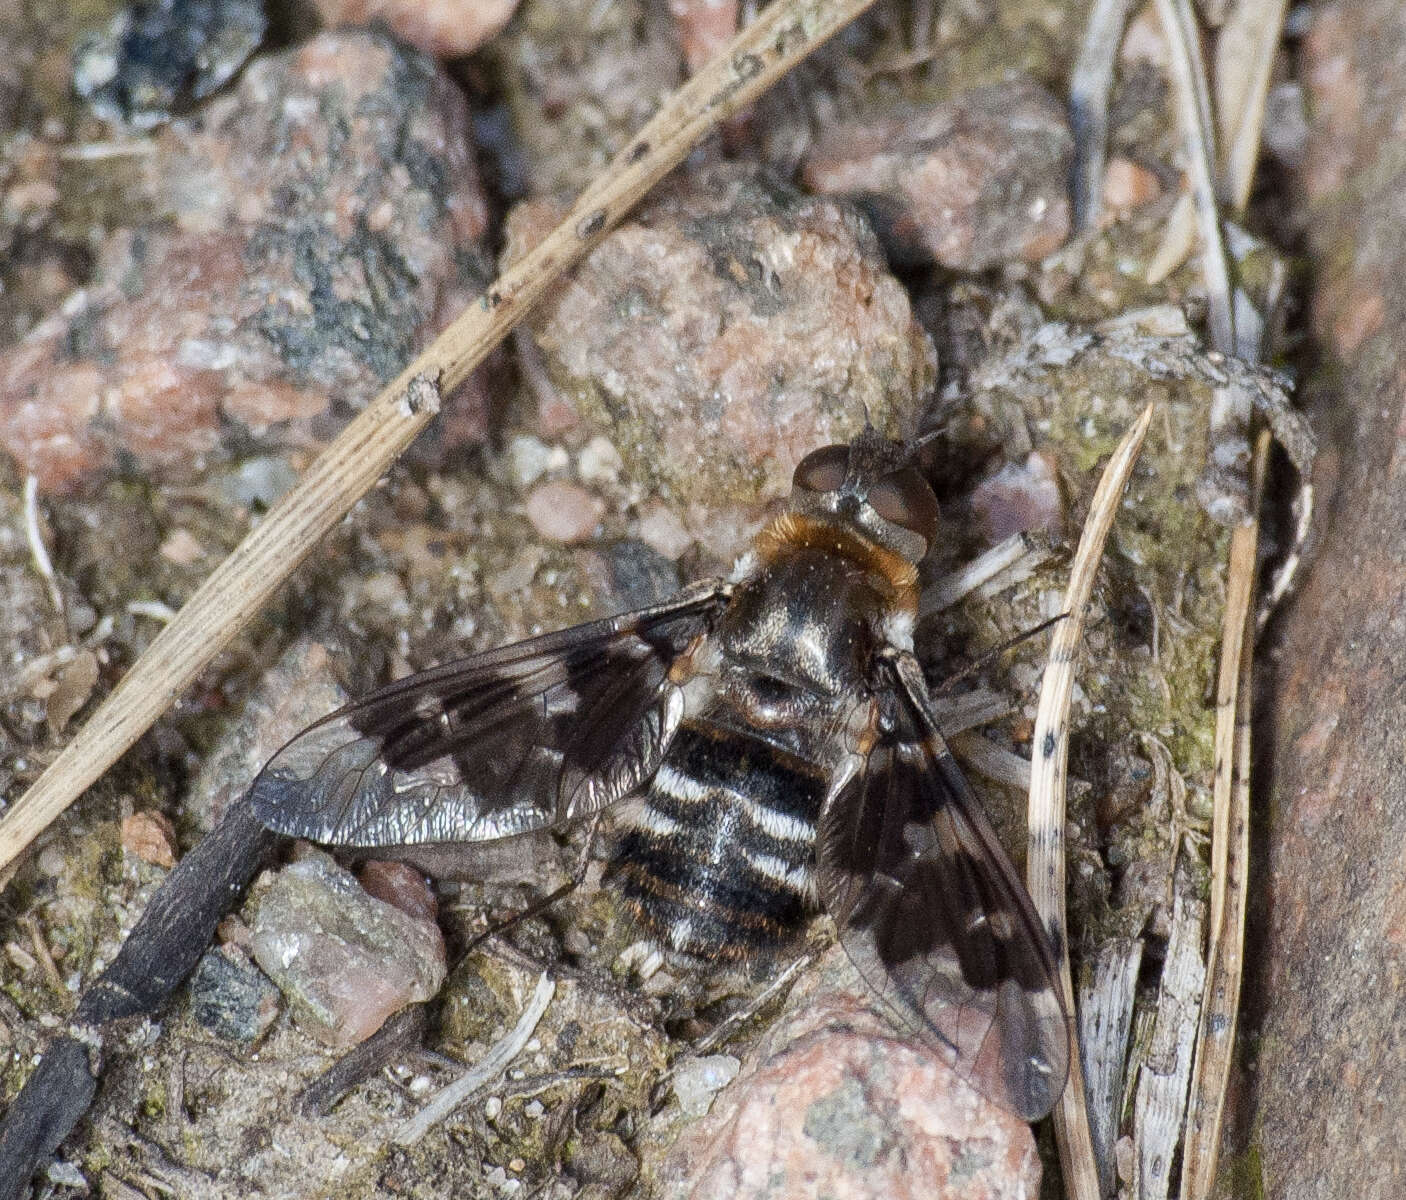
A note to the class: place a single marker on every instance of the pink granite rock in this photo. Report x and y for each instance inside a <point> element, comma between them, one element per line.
<point>301,687</point>
<point>833,1102</point>
<point>444,28</point>
<point>729,327</point>
<point>300,240</point>
<point>969,183</point>
<point>345,960</point>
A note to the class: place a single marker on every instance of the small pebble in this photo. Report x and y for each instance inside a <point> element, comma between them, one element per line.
<point>530,458</point>
<point>1020,498</point>
<point>443,28</point>
<point>73,684</point>
<point>65,1174</point>
<point>344,960</point>
<point>181,548</point>
<point>660,528</point>
<point>401,886</point>
<point>969,183</point>
<point>151,837</point>
<point>599,461</point>
<point>564,512</point>
<point>698,1080</point>
<point>158,56</point>
<point>1126,185</point>
<point>230,997</point>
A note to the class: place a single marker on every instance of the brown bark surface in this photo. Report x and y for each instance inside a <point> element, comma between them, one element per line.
<point>1330,1119</point>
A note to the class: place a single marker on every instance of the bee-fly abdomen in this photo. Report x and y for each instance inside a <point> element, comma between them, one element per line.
<point>717,860</point>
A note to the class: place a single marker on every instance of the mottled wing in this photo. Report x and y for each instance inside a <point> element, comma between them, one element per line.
<point>933,914</point>
<point>517,739</point>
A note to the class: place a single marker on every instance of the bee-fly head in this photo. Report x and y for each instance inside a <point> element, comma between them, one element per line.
<point>873,486</point>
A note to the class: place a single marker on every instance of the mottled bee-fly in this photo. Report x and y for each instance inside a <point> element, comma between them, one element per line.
<point>769,745</point>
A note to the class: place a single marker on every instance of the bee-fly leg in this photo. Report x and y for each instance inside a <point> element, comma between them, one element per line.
<point>403,1034</point>
<point>985,660</point>
<point>730,1025</point>
<point>542,903</point>
<point>733,1022</point>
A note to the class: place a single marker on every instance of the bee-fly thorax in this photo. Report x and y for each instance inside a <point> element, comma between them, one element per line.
<point>717,860</point>
<point>893,577</point>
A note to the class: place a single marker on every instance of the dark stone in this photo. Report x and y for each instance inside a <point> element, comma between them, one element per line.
<point>231,997</point>
<point>161,56</point>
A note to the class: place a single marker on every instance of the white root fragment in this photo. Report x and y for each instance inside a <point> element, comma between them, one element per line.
<point>483,1073</point>
<point>43,564</point>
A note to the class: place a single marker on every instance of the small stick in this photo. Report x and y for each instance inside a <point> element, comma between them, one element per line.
<point>1193,102</point>
<point>1230,849</point>
<point>1090,85</point>
<point>482,1073</point>
<point>1245,51</point>
<point>1049,771</point>
<point>782,35</point>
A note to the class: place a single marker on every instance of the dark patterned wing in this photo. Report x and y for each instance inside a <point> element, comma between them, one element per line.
<point>517,739</point>
<point>933,914</point>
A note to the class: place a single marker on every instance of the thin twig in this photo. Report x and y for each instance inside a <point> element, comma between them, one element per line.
<point>1194,105</point>
<point>1245,50</point>
<point>483,1072</point>
<point>1045,868</point>
<point>781,36</point>
<point>1230,848</point>
<point>1089,87</point>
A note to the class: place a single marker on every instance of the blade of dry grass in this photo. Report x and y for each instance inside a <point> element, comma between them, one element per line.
<point>1194,113</point>
<point>781,36</point>
<point>1045,867</point>
<point>1160,1104</point>
<point>1090,85</point>
<point>1230,849</point>
<point>1178,240</point>
<point>1105,1024</point>
<point>1245,52</point>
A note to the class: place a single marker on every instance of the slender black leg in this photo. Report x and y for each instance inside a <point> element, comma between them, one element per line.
<point>995,653</point>
<point>402,1032</point>
<point>539,906</point>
